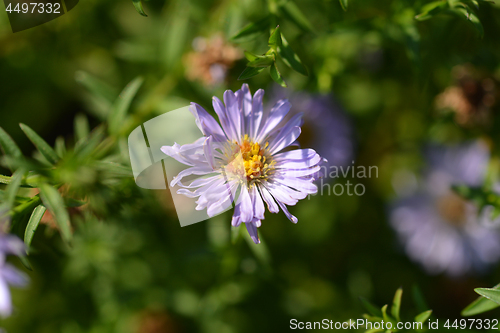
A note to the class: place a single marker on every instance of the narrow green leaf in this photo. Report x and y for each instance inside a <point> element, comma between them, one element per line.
<point>85,148</point>
<point>250,72</point>
<point>480,305</point>
<point>101,95</point>
<point>289,57</point>
<point>33,222</point>
<point>384,313</point>
<point>250,56</point>
<point>9,147</point>
<point>275,38</point>
<point>372,309</point>
<point>114,168</point>
<point>60,146</point>
<point>121,105</point>
<point>81,127</point>
<point>42,146</point>
<point>472,18</point>
<point>489,293</point>
<point>96,87</point>
<point>294,14</point>
<point>396,304</point>
<point>55,203</point>
<point>276,76</point>
<point>138,7</point>
<point>253,29</point>
<point>431,9</point>
<point>422,317</point>
<point>262,61</point>
<point>418,299</point>
<point>13,187</point>
<point>344,4</point>
<point>26,262</point>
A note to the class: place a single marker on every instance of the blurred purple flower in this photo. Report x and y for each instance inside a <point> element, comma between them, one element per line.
<point>246,156</point>
<point>326,127</point>
<point>9,275</point>
<point>439,229</point>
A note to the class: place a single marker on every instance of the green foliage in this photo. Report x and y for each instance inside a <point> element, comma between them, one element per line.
<point>375,315</point>
<point>486,302</point>
<point>458,8</point>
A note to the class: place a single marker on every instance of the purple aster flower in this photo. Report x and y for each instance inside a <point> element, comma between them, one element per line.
<point>246,159</point>
<point>439,229</point>
<point>9,275</point>
<point>326,126</point>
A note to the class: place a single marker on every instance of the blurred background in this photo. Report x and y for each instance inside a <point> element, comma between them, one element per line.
<point>384,89</point>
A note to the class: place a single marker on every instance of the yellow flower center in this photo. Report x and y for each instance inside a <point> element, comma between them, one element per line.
<point>249,161</point>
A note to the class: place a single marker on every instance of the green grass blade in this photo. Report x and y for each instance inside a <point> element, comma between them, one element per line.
<point>33,223</point>
<point>42,146</point>
<point>122,104</point>
<point>55,203</point>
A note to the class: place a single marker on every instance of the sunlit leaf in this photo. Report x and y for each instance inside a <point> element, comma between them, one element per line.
<point>431,9</point>
<point>276,76</point>
<point>472,18</point>
<point>55,204</point>
<point>42,146</point>
<point>489,293</point>
<point>138,7</point>
<point>250,56</point>
<point>250,72</point>
<point>483,303</point>
<point>396,304</point>
<point>262,61</point>
<point>33,222</point>
<point>275,39</point>
<point>290,58</point>
<point>344,4</point>
<point>422,317</point>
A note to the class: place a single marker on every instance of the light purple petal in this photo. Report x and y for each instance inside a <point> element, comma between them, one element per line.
<point>11,244</point>
<point>258,204</point>
<point>221,111</point>
<point>276,115</point>
<point>286,140</point>
<point>13,276</point>
<point>206,123</point>
<point>246,206</point>
<point>235,118</point>
<point>208,150</point>
<point>5,300</point>
<point>292,218</point>
<point>297,154</point>
<point>236,220</point>
<point>256,114</point>
<point>201,170</point>
<point>252,230</point>
<point>269,200</point>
